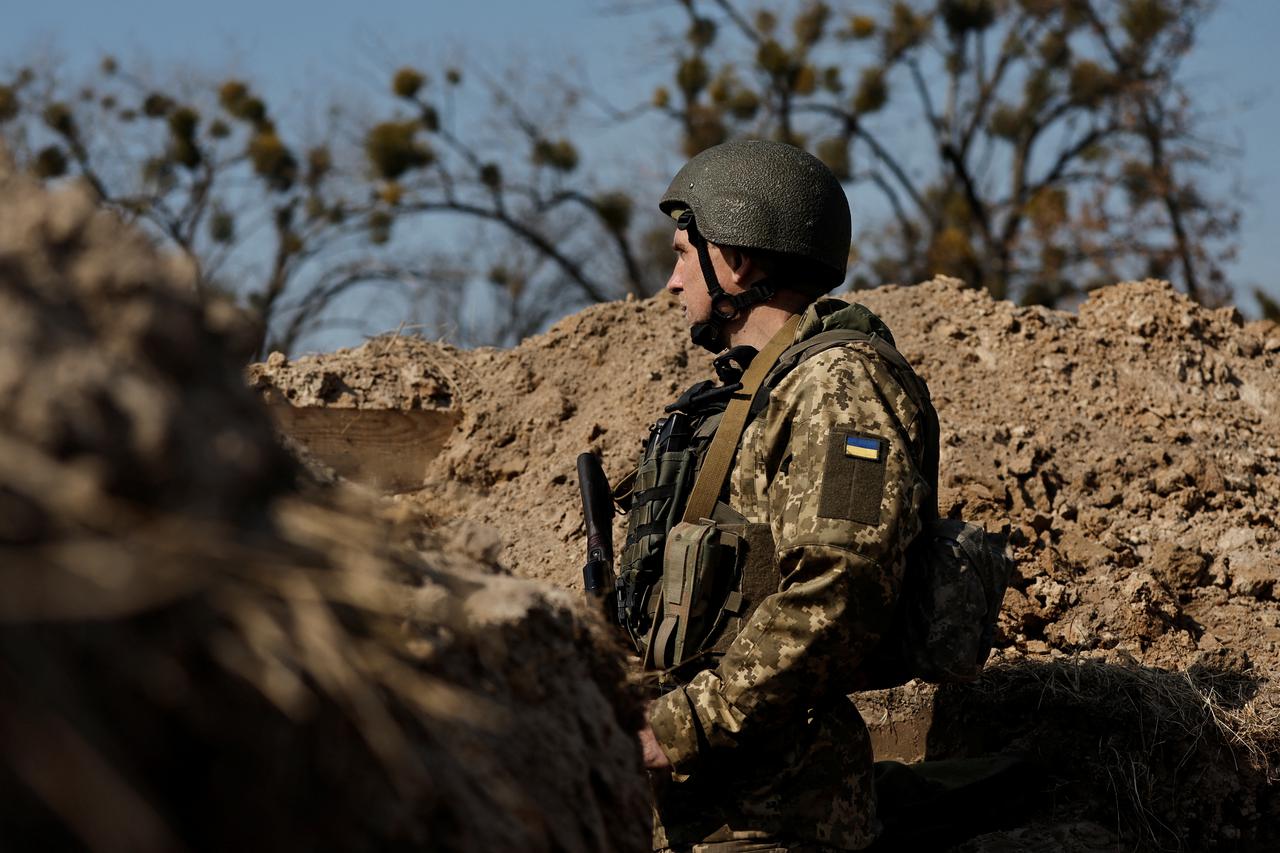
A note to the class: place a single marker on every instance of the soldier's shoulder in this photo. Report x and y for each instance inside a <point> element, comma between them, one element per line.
<point>847,371</point>
<point>851,361</point>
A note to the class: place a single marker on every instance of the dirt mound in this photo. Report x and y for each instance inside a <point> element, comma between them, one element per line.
<point>520,418</point>
<point>416,379</point>
<point>196,655</point>
<point>1132,448</point>
<point>1135,448</point>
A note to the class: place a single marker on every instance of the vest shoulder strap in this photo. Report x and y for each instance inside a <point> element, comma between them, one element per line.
<point>724,445</point>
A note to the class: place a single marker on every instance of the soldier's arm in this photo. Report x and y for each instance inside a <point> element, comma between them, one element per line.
<point>843,506</point>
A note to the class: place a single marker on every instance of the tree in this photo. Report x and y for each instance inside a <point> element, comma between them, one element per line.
<point>213,174</point>
<point>1033,147</point>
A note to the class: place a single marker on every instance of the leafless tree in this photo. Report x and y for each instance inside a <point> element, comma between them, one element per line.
<point>1034,147</point>
<point>292,229</point>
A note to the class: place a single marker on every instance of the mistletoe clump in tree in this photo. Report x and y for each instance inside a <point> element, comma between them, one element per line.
<point>289,229</point>
<point>1036,148</point>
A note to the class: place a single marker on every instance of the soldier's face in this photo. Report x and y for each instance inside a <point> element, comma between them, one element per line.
<point>688,283</point>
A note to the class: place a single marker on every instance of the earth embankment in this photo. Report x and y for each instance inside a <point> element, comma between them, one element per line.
<point>1132,449</point>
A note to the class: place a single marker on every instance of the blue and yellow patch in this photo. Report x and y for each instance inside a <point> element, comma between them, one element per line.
<point>863,447</point>
<point>853,476</point>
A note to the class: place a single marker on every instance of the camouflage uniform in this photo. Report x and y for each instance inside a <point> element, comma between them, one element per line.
<point>766,745</point>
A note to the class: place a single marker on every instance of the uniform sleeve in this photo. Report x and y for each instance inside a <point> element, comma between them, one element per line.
<point>843,501</point>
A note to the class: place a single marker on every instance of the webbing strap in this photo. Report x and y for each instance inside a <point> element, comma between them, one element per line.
<point>719,458</point>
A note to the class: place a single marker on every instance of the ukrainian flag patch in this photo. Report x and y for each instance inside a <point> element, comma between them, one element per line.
<point>853,475</point>
<point>864,447</point>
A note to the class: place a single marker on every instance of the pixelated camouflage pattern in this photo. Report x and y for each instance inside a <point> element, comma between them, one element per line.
<point>767,739</point>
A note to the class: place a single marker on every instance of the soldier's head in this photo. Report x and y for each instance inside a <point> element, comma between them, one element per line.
<point>753,219</point>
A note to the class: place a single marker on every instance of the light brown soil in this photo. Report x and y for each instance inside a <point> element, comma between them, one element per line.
<point>199,650</point>
<point>1133,448</point>
<point>592,382</point>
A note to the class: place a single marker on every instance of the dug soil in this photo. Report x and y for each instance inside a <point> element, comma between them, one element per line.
<point>1134,447</point>
<point>1131,450</point>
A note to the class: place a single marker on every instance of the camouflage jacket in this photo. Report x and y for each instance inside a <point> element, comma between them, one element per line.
<point>767,740</point>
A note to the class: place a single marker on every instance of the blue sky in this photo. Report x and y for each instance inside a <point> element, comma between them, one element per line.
<point>294,48</point>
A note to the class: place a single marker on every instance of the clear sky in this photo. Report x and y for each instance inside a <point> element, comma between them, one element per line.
<point>293,47</point>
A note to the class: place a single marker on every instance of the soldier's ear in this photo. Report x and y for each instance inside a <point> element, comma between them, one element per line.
<point>741,263</point>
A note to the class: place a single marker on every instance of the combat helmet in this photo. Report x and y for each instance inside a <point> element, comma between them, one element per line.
<point>755,194</point>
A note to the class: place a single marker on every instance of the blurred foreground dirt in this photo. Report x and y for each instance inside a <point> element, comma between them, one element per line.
<point>203,648</point>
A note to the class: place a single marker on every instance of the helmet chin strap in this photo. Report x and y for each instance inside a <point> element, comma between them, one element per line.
<point>709,334</point>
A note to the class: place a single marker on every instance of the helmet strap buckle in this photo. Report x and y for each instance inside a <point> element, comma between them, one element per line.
<point>725,307</point>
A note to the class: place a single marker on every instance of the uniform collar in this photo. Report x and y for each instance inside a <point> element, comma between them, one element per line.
<point>827,314</point>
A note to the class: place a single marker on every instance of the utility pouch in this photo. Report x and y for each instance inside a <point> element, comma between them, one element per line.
<point>945,622</point>
<point>699,574</point>
<point>950,616</point>
<point>714,575</point>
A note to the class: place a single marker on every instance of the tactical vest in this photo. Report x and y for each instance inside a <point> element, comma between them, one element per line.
<point>724,570</point>
<point>710,576</point>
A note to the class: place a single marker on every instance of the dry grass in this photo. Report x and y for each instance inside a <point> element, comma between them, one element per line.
<point>1237,707</point>
<point>1182,753</point>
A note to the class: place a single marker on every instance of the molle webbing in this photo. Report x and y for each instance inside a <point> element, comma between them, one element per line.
<point>653,497</point>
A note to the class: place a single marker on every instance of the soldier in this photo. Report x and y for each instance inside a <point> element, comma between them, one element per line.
<point>761,616</point>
